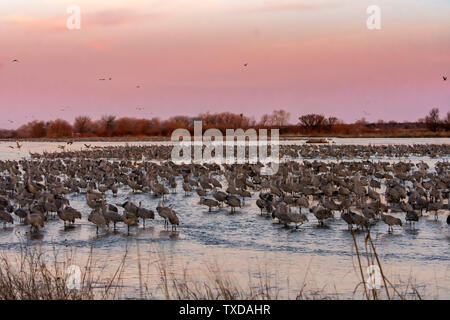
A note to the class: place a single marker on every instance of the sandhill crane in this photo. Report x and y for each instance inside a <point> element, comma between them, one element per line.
<point>129,206</point>
<point>302,202</point>
<point>69,214</point>
<point>94,204</point>
<point>359,220</point>
<point>50,206</point>
<point>187,188</point>
<point>347,218</point>
<point>244,194</point>
<point>159,189</point>
<point>164,212</point>
<point>97,218</point>
<point>297,218</point>
<point>369,212</point>
<point>209,202</point>
<point>281,213</point>
<point>411,217</point>
<point>329,204</point>
<point>436,206</point>
<point>92,195</point>
<point>215,182</point>
<point>114,190</point>
<point>130,220</point>
<point>35,220</point>
<point>5,217</point>
<point>111,214</point>
<point>21,213</point>
<point>219,195</point>
<point>321,213</point>
<point>201,192</point>
<point>391,221</point>
<point>145,213</point>
<point>173,219</point>
<point>264,205</point>
<point>233,202</point>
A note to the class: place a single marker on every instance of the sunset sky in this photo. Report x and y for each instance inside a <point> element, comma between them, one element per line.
<point>187,57</point>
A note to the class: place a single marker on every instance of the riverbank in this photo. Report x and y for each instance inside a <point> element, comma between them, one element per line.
<point>282,137</point>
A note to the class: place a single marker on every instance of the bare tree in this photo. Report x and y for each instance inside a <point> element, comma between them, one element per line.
<point>59,128</point>
<point>312,122</point>
<point>447,122</point>
<point>432,120</point>
<point>109,123</point>
<point>82,125</point>
<point>278,118</point>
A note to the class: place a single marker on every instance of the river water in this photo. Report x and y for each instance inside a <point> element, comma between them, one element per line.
<point>244,243</point>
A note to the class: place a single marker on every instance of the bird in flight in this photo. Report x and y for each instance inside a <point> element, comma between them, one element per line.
<point>102,79</point>
<point>110,79</point>
<point>15,60</point>
<point>245,64</point>
<point>87,145</point>
<point>138,87</point>
<point>445,78</point>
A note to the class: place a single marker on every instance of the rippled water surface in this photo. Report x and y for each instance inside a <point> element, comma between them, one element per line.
<point>244,241</point>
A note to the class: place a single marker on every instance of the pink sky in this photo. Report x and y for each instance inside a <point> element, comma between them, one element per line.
<point>188,55</point>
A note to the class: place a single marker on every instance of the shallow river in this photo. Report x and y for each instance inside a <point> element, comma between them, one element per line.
<point>245,242</point>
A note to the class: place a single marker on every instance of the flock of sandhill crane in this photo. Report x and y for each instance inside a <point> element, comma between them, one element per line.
<point>363,192</point>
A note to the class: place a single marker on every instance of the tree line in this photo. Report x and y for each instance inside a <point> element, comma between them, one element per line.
<point>308,124</point>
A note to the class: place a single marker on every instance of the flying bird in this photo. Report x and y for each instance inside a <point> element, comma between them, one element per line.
<point>102,79</point>
<point>445,78</point>
<point>15,60</point>
<point>245,64</point>
<point>138,87</point>
<point>110,79</point>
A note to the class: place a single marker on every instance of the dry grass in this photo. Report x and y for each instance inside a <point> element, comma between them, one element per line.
<point>388,290</point>
<point>32,275</point>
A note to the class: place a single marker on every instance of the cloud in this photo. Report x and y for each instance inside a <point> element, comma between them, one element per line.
<point>273,6</point>
<point>115,17</point>
<point>37,23</point>
<point>94,19</point>
<point>98,45</point>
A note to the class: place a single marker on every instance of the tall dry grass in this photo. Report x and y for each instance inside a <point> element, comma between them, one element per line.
<point>32,274</point>
<point>388,290</point>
